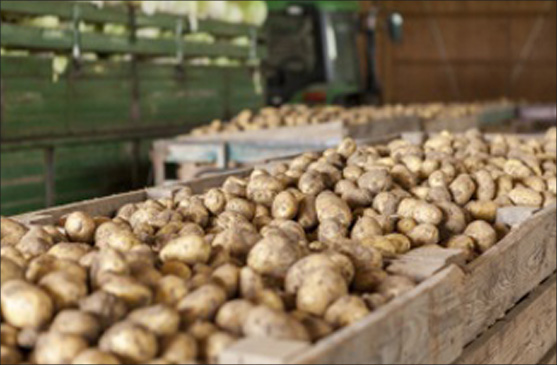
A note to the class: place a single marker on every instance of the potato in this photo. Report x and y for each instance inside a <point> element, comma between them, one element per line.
<point>263,189</point>
<point>517,169</point>
<point>202,304</point>
<point>189,249</point>
<point>201,330</point>
<point>13,254</point>
<point>464,243</point>
<point>455,218</point>
<point>407,207</point>
<point>504,185</point>
<point>483,234</point>
<point>34,243</point>
<point>305,267</point>
<point>69,251</point>
<point>424,234</point>
<point>265,322</point>
<point>95,356</point>
<point>115,236</point>
<point>427,214</point>
<point>215,201</point>
<point>233,314</point>
<point>352,173</point>
<point>194,210</point>
<point>395,286</point>
<point>25,305</point>
<point>438,179</point>
<point>78,323</point>
<point>376,180</point>
<point>482,210</point>
<point>486,186</point>
<point>180,348</point>
<point>106,307</point>
<point>10,271</point>
<point>128,289</point>
<point>216,344</point>
<point>182,194</point>
<point>58,348</point>
<point>535,183</point>
<point>346,311</point>
<point>386,203</point>
<point>405,225</point>
<point>403,176</point>
<point>170,290</point>
<point>228,276</point>
<point>552,185</point>
<point>365,227</point>
<point>9,355</point>
<point>312,183</point>
<point>523,196</point>
<point>130,342</point>
<point>11,231</point>
<point>241,206</point>
<point>176,268</point>
<point>273,255</point>
<point>347,147</point>
<point>307,213</point>
<point>80,227</point>
<point>285,206</point>
<point>316,327</point>
<point>319,290</point>
<point>462,188</point>
<point>66,291</point>
<point>401,243</point>
<point>330,206</point>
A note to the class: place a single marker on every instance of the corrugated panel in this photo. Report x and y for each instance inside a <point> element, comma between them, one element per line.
<point>22,186</point>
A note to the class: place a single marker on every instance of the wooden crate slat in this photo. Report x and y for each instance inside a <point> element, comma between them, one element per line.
<point>551,357</point>
<point>524,336</point>
<point>509,271</point>
<point>420,327</point>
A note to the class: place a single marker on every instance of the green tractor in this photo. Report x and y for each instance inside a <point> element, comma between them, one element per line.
<point>313,55</point>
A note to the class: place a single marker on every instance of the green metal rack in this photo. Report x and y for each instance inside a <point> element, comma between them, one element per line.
<point>88,133</point>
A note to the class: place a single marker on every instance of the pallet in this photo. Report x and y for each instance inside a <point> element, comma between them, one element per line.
<point>452,316</point>
<point>249,147</point>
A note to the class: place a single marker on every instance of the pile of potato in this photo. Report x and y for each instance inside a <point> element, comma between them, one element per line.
<point>298,115</point>
<point>294,253</point>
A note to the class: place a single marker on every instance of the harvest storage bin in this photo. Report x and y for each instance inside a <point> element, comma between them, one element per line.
<point>445,319</point>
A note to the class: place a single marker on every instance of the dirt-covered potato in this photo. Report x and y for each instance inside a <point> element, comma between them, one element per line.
<point>58,348</point>
<point>80,227</point>
<point>78,323</point>
<point>424,234</point>
<point>66,291</point>
<point>34,243</point>
<point>426,213</point>
<point>130,342</point>
<point>25,305</point>
<point>116,236</point>
<point>330,206</point>
<point>523,196</point>
<point>285,205</point>
<point>483,210</point>
<point>233,314</point>
<point>202,304</point>
<point>133,293</point>
<point>266,322</point>
<point>463,242</point>
<point>462,188</point>
<point>273,255</point>
<point>319,290</point>
<point>106,307</point>
<point>190,249</point>
<point>238,242</point>
<point>95,356</point>
<point>11,231</point>
<point>376,180</point>
<point>346,311</point>
<point>160,319</point>
<point>180,348</point>
<point>483,233</point>
<point>69,251</point>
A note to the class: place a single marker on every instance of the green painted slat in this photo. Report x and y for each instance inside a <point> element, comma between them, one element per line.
<point>36,67</point>
<point>62,40</point>
<point>22,206</point>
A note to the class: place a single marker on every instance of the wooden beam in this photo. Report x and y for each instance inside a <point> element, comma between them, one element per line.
<point>524,336</point>
<point>508,271</point>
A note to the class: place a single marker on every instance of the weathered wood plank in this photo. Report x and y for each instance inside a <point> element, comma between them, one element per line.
<point>420,327</point>
<point>262,351</point>
<point>510,270</point>
<point>524,336</point>
<point>422,263</point>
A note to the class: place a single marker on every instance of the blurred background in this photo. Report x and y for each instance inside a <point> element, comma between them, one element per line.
<point>88,87</point>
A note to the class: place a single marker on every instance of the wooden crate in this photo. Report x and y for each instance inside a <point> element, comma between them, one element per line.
<point>499,308</point>
<point>249,147</point>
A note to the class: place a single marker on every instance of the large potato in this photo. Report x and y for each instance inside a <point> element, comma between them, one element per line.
<point>130,342</point>
<point>330,206</point>
<point>25,305</point>
<point>273,255</point>
<point>190,249</point>
<point>265,322</point>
